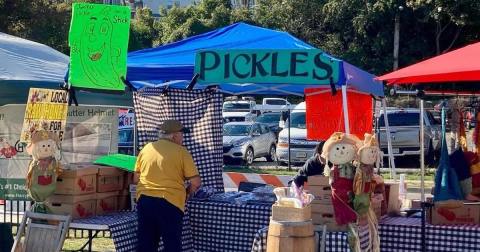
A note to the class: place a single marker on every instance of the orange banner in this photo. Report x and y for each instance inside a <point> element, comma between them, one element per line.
<point>325,113</point>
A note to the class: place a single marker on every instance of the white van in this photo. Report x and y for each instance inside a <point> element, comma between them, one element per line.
<point>239,110</point>
<point>301,149</point>
<point>273,105</point>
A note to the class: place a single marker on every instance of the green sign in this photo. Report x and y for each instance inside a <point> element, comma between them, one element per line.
<point>266,66</point>
<point>98,41</point>
<point>13,189</point>
<point>125,162</point>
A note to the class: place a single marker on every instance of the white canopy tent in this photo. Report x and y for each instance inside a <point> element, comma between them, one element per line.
<point>25,60</point>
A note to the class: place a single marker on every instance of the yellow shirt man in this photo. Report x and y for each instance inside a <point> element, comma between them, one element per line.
<point>164,166</point>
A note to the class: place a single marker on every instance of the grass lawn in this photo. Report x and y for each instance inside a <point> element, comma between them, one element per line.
<point>99,244</point>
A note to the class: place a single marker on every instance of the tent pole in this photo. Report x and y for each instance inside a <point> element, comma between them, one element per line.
<point>345,109</point>
<point>422,154</point>
<point>289,143</point>
<point>135,144</point>
<point>422,177</point>
<point>391,158</point>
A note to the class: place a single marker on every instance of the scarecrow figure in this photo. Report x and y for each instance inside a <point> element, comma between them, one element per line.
<point>340,150</point>
<point>44,168</point>
<point>363,188</point>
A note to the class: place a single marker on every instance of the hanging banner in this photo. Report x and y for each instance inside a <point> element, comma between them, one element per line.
<point>266,66</point>
<point>98,41</point>
<point>325,113</point>
<point>89,133</point>
<point>47,110</point>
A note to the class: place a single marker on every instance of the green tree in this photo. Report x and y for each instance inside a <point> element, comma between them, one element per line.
<point>142,31</point>
<point>181,22</point>
<point>449,19</point>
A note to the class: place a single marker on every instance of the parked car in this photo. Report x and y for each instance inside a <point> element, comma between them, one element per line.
<point>272,119</point>
<point>235,110</point>
<point>405,133</point>
<point>245,141</point>
<point>301,149</point>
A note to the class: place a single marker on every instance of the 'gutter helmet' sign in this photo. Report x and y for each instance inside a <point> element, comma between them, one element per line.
<point>266,66</point>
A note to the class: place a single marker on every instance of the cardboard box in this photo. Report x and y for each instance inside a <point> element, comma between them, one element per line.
<point>468,213</point>
<point>322,208</point>
<point>318,180</point>
<point>78,206</point>
<point>323,194</point>
<point>109,179</point>
<point>77,179</point>
<point>110,171</point>
<point>107,202</point>
<point>329,221</point>
<point>324,214</point>
<point>392,192</point>
<point>281,213</point>
<point>124,200</point>
<point>127,180</point>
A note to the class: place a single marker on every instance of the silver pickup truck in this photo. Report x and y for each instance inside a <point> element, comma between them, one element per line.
<point>405,133</point>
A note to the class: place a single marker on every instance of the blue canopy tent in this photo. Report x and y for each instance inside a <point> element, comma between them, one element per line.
<point>175,61</point>
<point>173,65</point>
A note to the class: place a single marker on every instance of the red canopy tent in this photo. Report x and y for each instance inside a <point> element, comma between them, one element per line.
<point>459,65</point>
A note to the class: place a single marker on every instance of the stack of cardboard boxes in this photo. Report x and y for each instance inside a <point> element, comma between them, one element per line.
<point>84,190</point>
<point>76,191</point>
<point>453,213</point>
<point>124,196</point>
<point>322,208</point>
<point>109,186</point>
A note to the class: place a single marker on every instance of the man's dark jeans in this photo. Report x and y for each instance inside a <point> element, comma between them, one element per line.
<point>158,218</point>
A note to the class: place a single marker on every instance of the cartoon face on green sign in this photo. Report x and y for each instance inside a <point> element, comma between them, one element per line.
<point>98,41</point>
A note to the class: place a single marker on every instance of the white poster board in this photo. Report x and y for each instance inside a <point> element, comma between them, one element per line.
<point>91,131</point>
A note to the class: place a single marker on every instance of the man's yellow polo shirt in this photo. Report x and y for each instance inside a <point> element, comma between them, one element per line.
<point>164,166</point>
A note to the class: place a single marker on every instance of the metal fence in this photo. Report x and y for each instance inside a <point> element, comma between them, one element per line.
<point>11,211</point>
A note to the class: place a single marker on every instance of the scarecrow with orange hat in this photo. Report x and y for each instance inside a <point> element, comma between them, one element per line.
<point>340,150</point>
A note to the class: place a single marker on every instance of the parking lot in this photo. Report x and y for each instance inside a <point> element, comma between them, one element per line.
<point>409,162</point>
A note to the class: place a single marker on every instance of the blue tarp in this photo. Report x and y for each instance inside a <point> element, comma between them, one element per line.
<point>175,61</point>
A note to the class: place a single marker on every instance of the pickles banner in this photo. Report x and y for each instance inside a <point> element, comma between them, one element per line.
<point>98,41</point>
<point>310,66</point>
<point>47,110</point>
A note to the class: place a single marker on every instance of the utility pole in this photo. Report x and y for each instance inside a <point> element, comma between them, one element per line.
<point>396,37</point>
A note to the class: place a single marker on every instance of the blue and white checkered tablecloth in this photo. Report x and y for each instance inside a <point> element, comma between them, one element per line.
<point>226,227</point>
<point>208,226</point>
<point>402,234</point>
<point>123,228</point>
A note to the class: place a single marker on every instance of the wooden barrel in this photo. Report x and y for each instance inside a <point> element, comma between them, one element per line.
<point>290,236</point>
